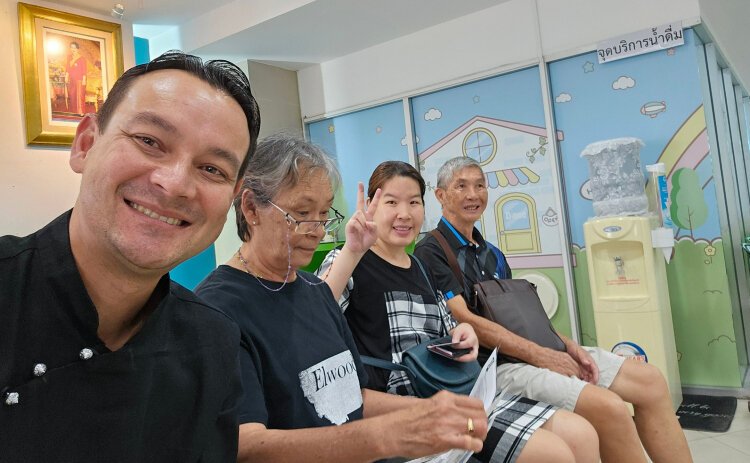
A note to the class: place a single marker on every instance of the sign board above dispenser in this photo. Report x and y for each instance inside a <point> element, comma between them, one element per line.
<point>637,43</point>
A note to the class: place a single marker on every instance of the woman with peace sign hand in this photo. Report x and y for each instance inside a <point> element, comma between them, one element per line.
<point>361,233</point>
<point>390,306</point>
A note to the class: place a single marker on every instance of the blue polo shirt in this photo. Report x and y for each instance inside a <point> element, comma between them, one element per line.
<point>478,262</point>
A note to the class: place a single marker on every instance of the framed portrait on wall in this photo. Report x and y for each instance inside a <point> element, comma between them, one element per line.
<point>69,63</point>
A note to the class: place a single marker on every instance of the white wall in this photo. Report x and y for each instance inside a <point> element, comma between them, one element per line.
<point>231,18</point>
<point>504,36</point>
<point>275,89</point>
<point>462,47</point>
<point>36,184</point>
<point>577,25</point>
<point>727,23</point>
<point>169,39</point>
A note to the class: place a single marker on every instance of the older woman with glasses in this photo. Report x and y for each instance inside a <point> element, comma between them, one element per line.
<point>304,394</point>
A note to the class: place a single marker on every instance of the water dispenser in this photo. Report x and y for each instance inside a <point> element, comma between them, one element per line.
<point>627,270</point>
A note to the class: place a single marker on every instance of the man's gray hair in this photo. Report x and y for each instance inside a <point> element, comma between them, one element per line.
<point>451,166</point>
<point>280,162</point>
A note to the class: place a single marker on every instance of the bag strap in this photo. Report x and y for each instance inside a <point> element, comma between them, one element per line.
<point>424,273</point>
<point>380,363</point>
<point>449,254</point>
<point>429,285</point>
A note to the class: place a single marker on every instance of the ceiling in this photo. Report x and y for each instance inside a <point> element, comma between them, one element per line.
<point>153,12</point>
<point>312,33</point>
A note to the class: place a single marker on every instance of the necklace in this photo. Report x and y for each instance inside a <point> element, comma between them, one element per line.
<point>247,269</point>
<point>288,270</point>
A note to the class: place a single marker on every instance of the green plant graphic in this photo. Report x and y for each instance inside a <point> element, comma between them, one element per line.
<point>542,149</point>
<point>688,209</point>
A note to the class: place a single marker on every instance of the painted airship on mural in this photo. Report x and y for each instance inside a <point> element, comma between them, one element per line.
<point>653,108</point>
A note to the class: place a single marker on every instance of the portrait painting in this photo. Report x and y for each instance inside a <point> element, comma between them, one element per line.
<point>69,64</point>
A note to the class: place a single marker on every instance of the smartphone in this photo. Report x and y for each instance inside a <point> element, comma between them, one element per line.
<point>448,350</point>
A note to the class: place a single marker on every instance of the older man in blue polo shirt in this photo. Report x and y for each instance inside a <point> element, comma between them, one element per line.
<point>589,381</point>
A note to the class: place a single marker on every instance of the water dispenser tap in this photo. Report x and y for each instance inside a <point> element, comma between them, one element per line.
<point>619,266</point>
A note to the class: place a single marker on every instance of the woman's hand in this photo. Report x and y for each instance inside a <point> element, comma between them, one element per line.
<point>464,335</point>
<point>361,231</point>
<point>443,422</point>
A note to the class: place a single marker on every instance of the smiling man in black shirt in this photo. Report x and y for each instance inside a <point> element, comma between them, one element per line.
<point>102,357</point>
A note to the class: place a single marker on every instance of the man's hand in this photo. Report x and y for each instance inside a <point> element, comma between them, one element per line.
<point>560,362</point>
<point>438,424</point>
<point>589,369</point>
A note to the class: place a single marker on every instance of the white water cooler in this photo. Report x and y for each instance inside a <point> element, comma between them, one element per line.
<point>630,294</point>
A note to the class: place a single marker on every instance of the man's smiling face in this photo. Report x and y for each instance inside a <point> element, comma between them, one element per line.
<point>465,197</point>
<point>158,181</point>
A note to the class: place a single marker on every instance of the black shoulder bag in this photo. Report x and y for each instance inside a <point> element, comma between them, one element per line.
<point>513,303</point>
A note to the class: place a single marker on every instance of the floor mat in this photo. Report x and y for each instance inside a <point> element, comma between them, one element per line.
<point>706,413</point>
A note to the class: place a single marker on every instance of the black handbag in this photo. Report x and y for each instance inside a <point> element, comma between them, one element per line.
<point>430,373</point>
<point>514,304</point>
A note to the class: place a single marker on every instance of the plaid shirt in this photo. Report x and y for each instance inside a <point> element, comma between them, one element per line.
<point>414,316</point>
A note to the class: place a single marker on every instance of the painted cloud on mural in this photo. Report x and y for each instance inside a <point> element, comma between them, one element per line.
<point>623,83</point>
<point>433,114</point>
<point>563,98</point>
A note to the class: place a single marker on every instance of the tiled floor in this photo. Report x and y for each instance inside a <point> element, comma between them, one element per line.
<point>732,446</point>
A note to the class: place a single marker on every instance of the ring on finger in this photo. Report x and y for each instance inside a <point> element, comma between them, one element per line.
<point>470,426</point>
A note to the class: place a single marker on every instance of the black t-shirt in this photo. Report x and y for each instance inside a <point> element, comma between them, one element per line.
<point>390,309</point>
<point>169,394</point>
<point>300,367</point>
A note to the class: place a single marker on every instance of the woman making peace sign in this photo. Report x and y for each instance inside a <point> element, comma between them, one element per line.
<point>390,306</point>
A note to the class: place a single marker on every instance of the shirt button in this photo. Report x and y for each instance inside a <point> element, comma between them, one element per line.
<point>86,353</point>
<point>11,398</point>
<point>40,369</point>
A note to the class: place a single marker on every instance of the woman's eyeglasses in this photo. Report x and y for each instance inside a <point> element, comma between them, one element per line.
<point>306,227</point>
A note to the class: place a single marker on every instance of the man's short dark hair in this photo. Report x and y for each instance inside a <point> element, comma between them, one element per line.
<point>220,74</point>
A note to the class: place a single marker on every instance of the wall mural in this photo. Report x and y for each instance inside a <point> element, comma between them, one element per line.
<point>500,123</point>
<point>358,142</point>
<point>637,97</point>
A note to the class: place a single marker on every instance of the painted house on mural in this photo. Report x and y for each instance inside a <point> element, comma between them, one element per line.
<point>521,216</point>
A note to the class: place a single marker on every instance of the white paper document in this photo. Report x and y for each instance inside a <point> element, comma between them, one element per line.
<point>484,389</point>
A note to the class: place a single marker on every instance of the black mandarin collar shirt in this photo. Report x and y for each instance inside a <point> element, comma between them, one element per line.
<point>169,394</point>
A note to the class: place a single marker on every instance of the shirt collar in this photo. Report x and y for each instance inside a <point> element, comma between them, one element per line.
<point>56,255</point>
<point>458,236</point>
<point>63,277</point>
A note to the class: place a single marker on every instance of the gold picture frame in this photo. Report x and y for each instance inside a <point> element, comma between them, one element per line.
<point>68,63</point>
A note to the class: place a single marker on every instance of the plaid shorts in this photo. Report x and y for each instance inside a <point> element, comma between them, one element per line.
<point>514,420</point>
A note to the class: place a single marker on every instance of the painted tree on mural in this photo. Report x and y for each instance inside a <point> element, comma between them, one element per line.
<point>688,209</point>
